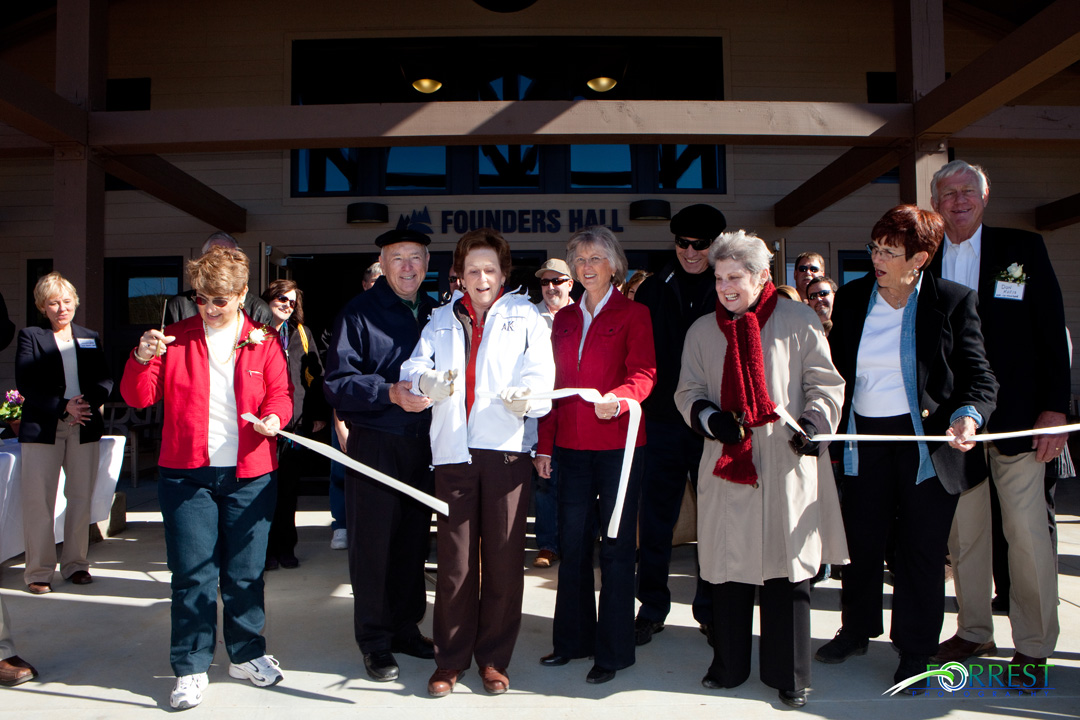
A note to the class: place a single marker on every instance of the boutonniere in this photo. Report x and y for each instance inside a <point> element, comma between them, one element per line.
<point>256,337</point>
<point>1013,274</point>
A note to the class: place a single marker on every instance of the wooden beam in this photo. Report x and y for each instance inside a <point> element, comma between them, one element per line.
<point>1058,214</point>
<point>37,111</point>
<point>1023,126</point>
<point>1035,51</point>
<point>168,183</point>
<point>843,176</point>
<point>474,123</point>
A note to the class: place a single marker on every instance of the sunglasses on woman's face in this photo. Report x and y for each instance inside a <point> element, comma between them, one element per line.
<point>217,302</point>
<point>553,281</point>
<point>699,245</point>
<point>286,301</point>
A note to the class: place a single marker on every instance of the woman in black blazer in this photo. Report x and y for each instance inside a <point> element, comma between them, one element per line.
<point>910,349</point>
<point>310,414</point>
<point>63,374</point>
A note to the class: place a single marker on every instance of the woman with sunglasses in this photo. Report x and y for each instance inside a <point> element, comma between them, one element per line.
<point>310,414</point>
<point>216,484</point>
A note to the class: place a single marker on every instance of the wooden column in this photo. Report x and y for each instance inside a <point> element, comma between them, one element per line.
<point>78,178</point>
<point>920,67</point>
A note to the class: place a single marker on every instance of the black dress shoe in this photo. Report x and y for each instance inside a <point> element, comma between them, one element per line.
<point>793,698</point>
<point>416,645</point>
<point>644,629</point>
<point>710,683</point>
<point>554,660</point>
<point>381,665</point>
<point>599,675</point>
<point>289,562</point>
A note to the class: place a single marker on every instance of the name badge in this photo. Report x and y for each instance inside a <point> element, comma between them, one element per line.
<point>88,343</point>
<point>1008,290</point>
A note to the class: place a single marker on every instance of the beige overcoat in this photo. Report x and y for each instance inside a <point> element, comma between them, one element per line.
<point>790,523</point>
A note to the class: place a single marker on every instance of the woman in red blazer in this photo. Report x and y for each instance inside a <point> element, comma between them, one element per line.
<point>604,342</point>
<point>216,476</point>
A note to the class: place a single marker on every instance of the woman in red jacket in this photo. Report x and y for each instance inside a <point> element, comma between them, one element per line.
<point>604,342</point>
<point>216,475</point>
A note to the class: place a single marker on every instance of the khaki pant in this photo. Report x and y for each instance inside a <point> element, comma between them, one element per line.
<point>41,463</point>
<point>1033,596</point>
<point>7,645</point>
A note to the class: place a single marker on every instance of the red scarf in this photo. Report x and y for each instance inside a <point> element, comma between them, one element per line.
<point>743,388</point>
<point>473,346</point>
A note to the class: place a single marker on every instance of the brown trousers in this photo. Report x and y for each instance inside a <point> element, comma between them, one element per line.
<point>481,549</point>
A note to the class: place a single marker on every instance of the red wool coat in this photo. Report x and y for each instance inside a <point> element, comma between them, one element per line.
<point>618,357</point>
<point>182,378</point>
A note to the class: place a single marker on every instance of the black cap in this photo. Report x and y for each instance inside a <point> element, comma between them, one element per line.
<point>701,222</point>
<point>395,236</point>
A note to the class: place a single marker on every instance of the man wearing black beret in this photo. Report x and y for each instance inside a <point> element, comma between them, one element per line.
<point>676,296</point>
<point>388,533</point>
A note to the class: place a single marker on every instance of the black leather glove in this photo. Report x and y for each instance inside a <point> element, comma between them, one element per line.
<point>725,427</point>
<point>803,442</point>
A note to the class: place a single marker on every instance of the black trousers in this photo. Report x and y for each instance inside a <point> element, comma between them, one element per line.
<point>389,537</point>
<point>291,463</point>
<point>884,491</point>
<point>785,633</point>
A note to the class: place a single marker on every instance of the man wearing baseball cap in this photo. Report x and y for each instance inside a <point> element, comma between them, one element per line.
<point>555,286</point>
<point>388,533</point>
<point>676,296</point>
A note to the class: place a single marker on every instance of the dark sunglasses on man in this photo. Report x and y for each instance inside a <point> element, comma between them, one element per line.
<point>808,268</point>
<point>217,302</point>
<point>286,301</point>
<point>699,245</point>
<point>556,281</point>
<point>819,294</point>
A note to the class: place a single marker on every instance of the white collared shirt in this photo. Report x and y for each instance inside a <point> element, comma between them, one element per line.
<point>960,263</point>
<point>588,318</point>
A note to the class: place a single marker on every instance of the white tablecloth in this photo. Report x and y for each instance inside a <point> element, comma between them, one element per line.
<point>110,459</point>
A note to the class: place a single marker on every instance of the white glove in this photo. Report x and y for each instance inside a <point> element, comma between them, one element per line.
<point>437,385</point>
<point>516,400</point>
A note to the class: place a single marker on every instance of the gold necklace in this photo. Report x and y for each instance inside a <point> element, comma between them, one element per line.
<point>236,341</point>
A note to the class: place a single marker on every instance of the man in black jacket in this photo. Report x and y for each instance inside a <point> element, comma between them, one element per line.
<point>676,296</point>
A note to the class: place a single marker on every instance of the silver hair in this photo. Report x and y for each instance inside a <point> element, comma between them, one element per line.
<point>221,238</point>
<point>607,242</point>
<point>956,167</point>
<point>373,272</point>
<point>742,247</point>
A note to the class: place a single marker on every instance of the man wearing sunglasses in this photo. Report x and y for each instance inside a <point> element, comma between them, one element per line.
<point>808,266</point>
<point>819,294</point>
<point>555,286</point>
<point>182,306</point>
<point>676,297</point>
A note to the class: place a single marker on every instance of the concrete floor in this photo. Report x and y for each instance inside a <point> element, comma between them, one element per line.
<point>102,649</point>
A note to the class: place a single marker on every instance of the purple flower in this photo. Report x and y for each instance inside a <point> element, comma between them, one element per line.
<point>14,397</point>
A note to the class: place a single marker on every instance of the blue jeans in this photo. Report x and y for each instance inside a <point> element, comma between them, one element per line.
<point>546,497</point>
<point>216,529</point>
<point>337,487</point>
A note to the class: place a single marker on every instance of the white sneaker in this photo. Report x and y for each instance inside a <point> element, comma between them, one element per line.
<point>340,540</point>
<point>188,691</point>
<point>262,671</point>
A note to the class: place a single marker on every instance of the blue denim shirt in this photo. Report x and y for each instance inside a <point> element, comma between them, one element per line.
<point>907,371</point>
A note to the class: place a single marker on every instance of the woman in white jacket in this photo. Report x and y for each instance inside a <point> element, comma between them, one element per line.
<point>479,359</point>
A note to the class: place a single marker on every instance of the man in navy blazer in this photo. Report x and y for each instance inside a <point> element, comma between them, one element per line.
<point>1023,322</point>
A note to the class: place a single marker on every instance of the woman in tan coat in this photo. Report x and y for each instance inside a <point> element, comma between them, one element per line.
<point>765,523</point>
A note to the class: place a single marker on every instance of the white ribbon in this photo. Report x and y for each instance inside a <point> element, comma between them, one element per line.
<point>323,449</point>
<point>592,395</point>
<point>986,437</point>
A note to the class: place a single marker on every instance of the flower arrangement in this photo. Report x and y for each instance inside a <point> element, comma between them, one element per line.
<point>256,337</point>
<point>11,409</point>
<point>1013,274</point>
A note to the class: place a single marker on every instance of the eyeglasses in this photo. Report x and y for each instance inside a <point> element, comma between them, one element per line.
<point>217,302</point>
<point>808,268</point>
<point>594,260</point>
<point>873,250</point>
<point>554,281</point>
<point>699,245</point>
<point>284,300</point>
<point>820,294</point>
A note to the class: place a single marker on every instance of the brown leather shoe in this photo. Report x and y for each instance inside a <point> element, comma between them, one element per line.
<point>545,559</point>
<point>81,577</point>
<point>495,680</point>
<point>957,649</point>
<point>15,671</point>
<point>442,682</point>
<point>39,588</point>
<point>1031,668</point>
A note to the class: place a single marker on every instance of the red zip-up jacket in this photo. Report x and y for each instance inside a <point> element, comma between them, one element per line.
<point>618,357</point>
<point>182,377</point>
